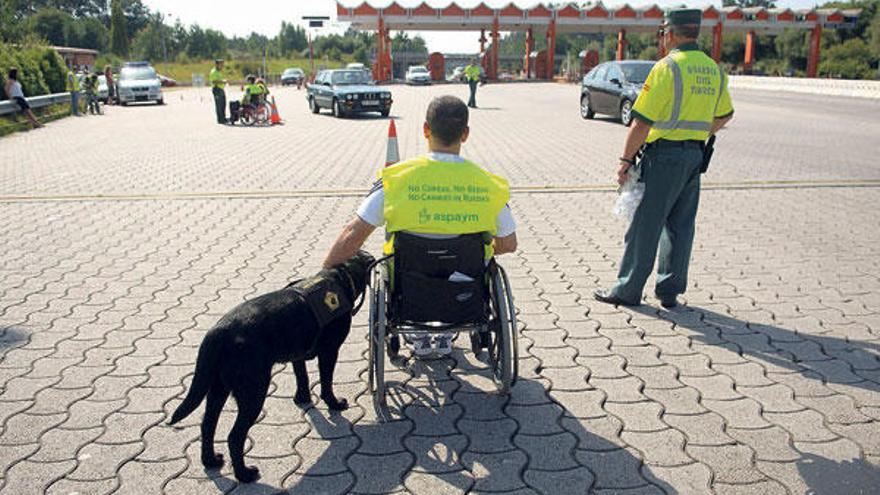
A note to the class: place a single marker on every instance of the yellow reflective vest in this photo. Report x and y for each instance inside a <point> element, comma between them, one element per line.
<point>216,79</point>
<point>683,94</point>
<point>72,82</point>
<point>429,197</point>
<point>472,72</point>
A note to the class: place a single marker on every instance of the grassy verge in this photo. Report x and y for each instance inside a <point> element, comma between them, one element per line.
<point>235,70</point>
<point>17,122</point>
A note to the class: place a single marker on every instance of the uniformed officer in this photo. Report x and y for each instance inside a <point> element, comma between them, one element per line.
<point>392,203</point>
<point>218,85</point>
<point>72,87</point>
<point>683,102</point>
<point>472,74</point>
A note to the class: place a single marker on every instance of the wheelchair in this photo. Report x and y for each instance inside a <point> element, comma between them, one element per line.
<point>257,111</point>
<point>430,286</point>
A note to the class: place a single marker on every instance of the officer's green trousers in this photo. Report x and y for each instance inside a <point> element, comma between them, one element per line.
<point>219,104</point>
<point>664,219</point>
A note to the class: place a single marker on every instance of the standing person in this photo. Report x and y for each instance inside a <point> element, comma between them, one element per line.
<point>90,84</point>
<point>472,75</point>
<point>14,92</point>
<point>218,85</point>
<point>445,129</point>
<point>73,88</point>
<point>683,102</point>
<point>111,87</point>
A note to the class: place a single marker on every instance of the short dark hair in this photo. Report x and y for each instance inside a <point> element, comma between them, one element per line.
<point>689,31</point>
<point>448,118</point>
<point>13,73</point>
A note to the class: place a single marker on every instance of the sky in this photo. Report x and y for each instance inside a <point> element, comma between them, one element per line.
<point>236,18</point>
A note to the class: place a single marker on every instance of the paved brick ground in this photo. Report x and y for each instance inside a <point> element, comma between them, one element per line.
<point>767,381</point>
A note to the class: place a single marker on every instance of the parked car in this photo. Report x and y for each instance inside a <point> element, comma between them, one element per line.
<point>356,66</point>
<point>293,76</point>
<point>347,91</point>
<point>103,90</point>
<point>457,74</point>
<point>418,74</point>
<point>138,82</point>
<point>612,88</point>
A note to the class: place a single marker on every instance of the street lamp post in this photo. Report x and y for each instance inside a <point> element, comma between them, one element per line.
<point>315,21</point>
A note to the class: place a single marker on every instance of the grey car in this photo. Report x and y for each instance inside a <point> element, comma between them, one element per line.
<point>347,91</point>
<point>612,88</point>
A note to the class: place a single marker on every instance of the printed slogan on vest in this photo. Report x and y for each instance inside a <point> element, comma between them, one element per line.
<point>703,78</point>
<point>458,196</point>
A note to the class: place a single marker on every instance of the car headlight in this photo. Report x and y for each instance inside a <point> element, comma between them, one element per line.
<point>386,95</point>
<point>356,96</point>
<point>348,97</point>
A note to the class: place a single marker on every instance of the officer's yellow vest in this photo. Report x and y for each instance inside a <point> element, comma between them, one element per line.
<point>428,197</point>
<point>216,78</point>
<point>472,72</point>
<point>694,84</point>
<point>72,82</point>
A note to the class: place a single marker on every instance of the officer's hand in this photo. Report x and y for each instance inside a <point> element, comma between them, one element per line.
<point>621,173</point>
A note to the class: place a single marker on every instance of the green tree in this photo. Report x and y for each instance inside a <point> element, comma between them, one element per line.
<point>118,29</point>
<point>850,60</point>
<point>50,24</point>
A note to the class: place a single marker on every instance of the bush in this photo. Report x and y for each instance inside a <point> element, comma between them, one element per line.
<point>40,70</point>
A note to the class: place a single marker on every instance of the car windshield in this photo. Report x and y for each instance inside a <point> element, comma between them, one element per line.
<point>293,71</point>
<point>350,77</point>
<point>636,73</point>
<point>137,74</point>
<point>418,69</point>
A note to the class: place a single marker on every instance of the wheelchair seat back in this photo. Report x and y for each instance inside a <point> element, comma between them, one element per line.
<point>440,280</point>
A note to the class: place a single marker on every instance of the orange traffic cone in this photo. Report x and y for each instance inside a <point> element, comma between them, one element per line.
<point>276,119</point>
<point>392,155</point>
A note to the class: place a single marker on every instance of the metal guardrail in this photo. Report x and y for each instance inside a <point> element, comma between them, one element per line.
<point>9,106</point>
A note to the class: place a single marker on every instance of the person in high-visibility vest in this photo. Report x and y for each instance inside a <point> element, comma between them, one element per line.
<point>72,87</point>
<point>253,91</point>
<point>683,102</point>
<point>90,85</point>
<point>218,89</point>
<point>472,75</point>
<point>391,202</point>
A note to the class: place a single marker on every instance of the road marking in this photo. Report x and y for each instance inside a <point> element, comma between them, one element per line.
<point>355,192</point>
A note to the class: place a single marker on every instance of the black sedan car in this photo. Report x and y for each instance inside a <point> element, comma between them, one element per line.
<point>347,91</point>
<point>612,88</point>
<point>292,76</point>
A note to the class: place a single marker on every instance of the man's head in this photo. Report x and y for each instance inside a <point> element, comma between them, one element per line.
<point>218,63</point>
<point>251,78</point>
<point>446,123</point>
<point>12,74</point>
<point>682,26</point>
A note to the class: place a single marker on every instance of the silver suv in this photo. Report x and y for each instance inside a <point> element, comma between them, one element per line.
<point>138,81</point>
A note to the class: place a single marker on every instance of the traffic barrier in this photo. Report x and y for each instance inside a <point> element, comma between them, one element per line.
<point>276,118</point>
<point>392,154</point>
<point>9,106</point>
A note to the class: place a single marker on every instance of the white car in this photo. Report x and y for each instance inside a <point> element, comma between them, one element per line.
<point>356,66</point>
<point>418,74</point>
<point>139,82</point>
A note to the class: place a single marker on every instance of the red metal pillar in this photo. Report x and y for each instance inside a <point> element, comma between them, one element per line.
<point>750,52</point>
<point>496,38</point>
<point>717,33</point>
<point>389,65</point>
<point>378,67</point>
<point>621,44</point>
<point>551,50</point>
<point>530,47</point>
<point>815,46</point>
<point>482,41</point>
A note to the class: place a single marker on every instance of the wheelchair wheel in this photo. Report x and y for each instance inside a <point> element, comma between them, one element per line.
<point>503,348</point>
<point>247,116</point>
<point>377,329</point>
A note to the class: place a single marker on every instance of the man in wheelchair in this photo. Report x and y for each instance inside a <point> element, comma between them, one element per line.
<point>254,93</point>
<point>436,196</point>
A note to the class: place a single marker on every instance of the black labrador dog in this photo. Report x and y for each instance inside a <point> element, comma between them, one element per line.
<point>306,319</point>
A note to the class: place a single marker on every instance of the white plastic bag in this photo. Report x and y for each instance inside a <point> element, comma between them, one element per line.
<point>630,194</point>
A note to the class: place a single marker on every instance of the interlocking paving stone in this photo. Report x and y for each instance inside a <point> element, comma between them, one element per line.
<point>766,380</point>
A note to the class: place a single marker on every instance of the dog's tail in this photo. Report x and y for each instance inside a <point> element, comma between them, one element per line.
<point>209,353</point>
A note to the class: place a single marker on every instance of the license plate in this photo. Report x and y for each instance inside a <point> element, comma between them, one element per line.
<point>370,103</point>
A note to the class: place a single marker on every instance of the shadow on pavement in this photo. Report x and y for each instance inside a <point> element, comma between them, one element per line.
<point>855,477</point>
<point>819,357</point>
<point>450,436</point>
<point>11,337</point>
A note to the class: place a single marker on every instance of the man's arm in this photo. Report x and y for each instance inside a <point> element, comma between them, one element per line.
<point>349,241</point>
<point>638,133</point>
<point>719,123</point>
<point>505,244</point>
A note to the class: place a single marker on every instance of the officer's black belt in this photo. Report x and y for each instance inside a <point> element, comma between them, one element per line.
<point>666,143</point>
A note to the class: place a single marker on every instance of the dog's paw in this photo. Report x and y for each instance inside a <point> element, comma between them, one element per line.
<point>302,398</point>
<point>247,474</point>
<point>212,462</point>
<point>336,404</point>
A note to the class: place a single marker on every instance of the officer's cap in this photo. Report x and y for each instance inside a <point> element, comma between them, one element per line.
<point>218,60</point>
<point>683,17</point>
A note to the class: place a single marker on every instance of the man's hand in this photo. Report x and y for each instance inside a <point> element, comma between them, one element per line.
<point>505,244</point>
<point>349,241</point>
<point>621,172</point>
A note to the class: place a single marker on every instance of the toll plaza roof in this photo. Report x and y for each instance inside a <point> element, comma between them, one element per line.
<point>572,18</point>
